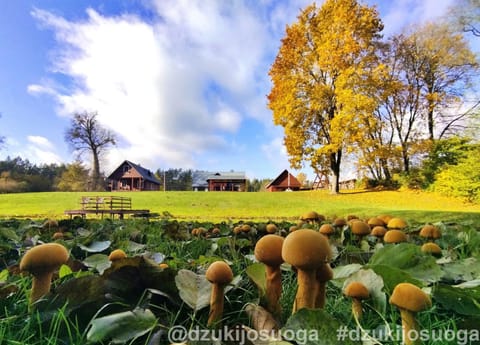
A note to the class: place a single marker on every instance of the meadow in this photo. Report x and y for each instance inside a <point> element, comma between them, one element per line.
<point>209,206</point>
<point>158,292</point>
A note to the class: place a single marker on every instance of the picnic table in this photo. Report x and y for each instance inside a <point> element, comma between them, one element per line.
<point>106,205</point>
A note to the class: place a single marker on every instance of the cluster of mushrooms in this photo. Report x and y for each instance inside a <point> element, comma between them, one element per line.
<point>306,250</point>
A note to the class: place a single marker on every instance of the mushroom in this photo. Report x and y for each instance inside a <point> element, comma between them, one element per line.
<point>358,292</point>
<point>306,250</point>
<point>271,228</point>
<point>339,222</point>
<point>312,217</point>
<point>378,231</point>
<point>396,223</point>
<point>268,250</point>
<point>327,230</point>
<point>394,236</point>
<point>430,232</point>
<point>219,274</point>
<point>374,221</point>
<point>432,248</point>
<point>323,274</point>
<point>360,229</point>
<point>117,254</point>
<point>41,261</point>
<point>410,299</point>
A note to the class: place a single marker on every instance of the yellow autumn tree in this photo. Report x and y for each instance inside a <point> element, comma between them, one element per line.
<point>322,80</point>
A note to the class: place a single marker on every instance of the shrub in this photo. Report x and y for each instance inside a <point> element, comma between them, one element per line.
<point>461,180</point>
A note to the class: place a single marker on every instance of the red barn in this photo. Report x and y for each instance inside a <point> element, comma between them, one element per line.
<point>283,182</point>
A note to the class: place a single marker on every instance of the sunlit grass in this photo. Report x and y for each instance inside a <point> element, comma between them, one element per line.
<point>421,206</point>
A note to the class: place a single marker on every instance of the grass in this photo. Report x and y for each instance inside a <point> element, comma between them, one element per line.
<point>420,206</point>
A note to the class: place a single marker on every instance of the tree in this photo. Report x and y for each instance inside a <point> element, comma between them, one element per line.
<point>320,77</point>
<point>466,14</point>
<point>87,135</point>
<point>444,66</point>
<point>74,178</point>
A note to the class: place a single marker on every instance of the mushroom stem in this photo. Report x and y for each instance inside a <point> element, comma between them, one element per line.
<point>216,305</point>
<point>273,289</point>
<point>409,327</point>
<point>305,297</point>
<point>321,294</point>
<point>40,286</point>
<point>357,308</point>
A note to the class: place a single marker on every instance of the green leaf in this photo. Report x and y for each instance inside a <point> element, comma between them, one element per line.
<point>3,276</point>
<point>64,271</point>
<point>408,257</point>
<point>393,276</point>
<point>461,301</point>
<point>121,327</point>
<point>194,289</point>
<point>256,272</point>
<point>461,270</point>
<point>100,262</point>
<point>315,327</point>
<point>96,247</point>
<point>9,234</point>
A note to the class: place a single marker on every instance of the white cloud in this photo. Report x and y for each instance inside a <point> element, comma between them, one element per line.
<point>150,81</point>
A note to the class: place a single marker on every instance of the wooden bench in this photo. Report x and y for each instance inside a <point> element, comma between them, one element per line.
<point>111,205</point>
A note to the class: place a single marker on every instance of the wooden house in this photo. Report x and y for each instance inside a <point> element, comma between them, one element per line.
<point>132,177</point>
<point>219,181</point>
<point>283,182</point>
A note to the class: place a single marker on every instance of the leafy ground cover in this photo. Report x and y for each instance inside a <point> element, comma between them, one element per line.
<point>161,285</point>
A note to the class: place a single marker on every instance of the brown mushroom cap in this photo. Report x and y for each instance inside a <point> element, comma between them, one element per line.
<point>326,229</point>
<point>431,248</point>
<point>271,228</point>
<point>219,273</point>
<point>359,228</point>
<point>378,231</point>
<point>306,249</point>
<point>410,297</point>
<point>396,223</point>
<point>374,221</point>
<point>339,222</point>
<point>385,217</point>
<point>43,258</point>
<point>117,254</point>
<point>356,290</point>
<point>394,236</point>
<point>269,250</point>
<point>430,231</point>
<point>312,216</point>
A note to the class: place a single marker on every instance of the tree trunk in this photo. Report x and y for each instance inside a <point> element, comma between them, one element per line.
<point>386,170</point>
<point>95,171</point>
<point>335,159</point>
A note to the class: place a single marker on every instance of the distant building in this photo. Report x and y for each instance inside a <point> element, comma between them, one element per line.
<point>232,181</point>
<point>132,177</point>
<point>283,182</point>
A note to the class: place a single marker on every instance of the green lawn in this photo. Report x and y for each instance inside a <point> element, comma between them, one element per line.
<point>419,206</point>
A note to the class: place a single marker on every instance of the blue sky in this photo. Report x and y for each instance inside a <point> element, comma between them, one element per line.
<point>182,83</point>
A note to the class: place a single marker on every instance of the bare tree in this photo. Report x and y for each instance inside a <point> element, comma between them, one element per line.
<point>87,135</point>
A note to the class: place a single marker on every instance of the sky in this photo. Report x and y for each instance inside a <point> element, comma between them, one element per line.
<point>181,83</point>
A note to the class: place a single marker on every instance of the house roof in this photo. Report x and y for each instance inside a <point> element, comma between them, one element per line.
<point>282,176</point>
<point>231,175</point>
<point>201,178</point>
<point>144,173</point>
